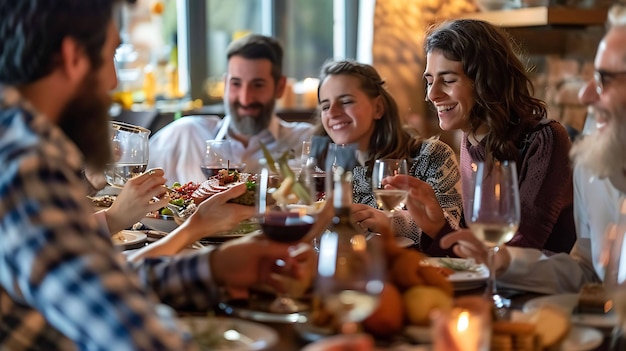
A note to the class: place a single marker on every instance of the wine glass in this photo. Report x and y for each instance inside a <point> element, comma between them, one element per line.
<point>350,267</point>
<point>130,152</point>
<point>218,156</point>
<point>493,212</point>
<point>286,213</point>
<point>389,200</point>
<point>613,259</point>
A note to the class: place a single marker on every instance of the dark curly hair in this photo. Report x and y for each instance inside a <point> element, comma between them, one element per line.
<point>391,139</point>
<point>31,33</point>
<point>502,89</point>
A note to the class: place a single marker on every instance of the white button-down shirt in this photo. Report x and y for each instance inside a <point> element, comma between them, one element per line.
<point>179,148</point>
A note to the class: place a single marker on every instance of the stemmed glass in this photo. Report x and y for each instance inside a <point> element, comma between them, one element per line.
<point>218,156</point>
<point>389,200</point>
<point>130,152</point>
<point>350,267</point>
<point>286,214</point>
<point>493,212</point>
<point>613,259</point>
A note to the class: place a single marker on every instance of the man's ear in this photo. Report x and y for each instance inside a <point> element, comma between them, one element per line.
<point>280,86</point>
<point>74,61</point>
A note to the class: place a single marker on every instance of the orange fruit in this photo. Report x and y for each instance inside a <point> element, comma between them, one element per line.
<point>388,318</point>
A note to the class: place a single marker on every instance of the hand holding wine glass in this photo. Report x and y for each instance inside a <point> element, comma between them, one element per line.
<point>389,199</point>
<point>493,212</point>
<point>130,152</point>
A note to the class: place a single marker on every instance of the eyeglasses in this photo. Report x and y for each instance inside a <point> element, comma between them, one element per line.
<point>603,78</point>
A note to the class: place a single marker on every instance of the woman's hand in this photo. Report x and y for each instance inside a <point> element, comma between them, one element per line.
<point>215,214</point>
<point>421,202</point>
<point>369,218</point>
<point>140,195</point>
<point>468,245</point>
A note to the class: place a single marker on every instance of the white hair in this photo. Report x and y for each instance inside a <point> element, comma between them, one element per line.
<point>617,15</point>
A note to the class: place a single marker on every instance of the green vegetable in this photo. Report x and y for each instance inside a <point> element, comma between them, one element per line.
<point>176,185</point>
<point>268,157</point>
<point>178,202</point>
<point>166,212</point>
<point>250,185</point>
<point>459,265</point>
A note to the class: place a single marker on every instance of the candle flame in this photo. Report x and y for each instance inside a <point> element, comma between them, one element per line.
<point>463,321</point>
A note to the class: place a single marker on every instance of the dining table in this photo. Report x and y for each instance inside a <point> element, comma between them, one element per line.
<point>291,336</point>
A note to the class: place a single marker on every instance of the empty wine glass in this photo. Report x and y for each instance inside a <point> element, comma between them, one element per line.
<point>130,152</point>
<point>286,214</point>
<point>218,156</point>
<point>389,200</point>
<point>613,259</point>
<point>493,212</point>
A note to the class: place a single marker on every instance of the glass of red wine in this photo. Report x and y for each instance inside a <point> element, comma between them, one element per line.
<point>219,156</point>
<point>286,213</point>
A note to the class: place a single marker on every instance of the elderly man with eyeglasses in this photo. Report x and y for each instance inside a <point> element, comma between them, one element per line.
<point>599,184</point>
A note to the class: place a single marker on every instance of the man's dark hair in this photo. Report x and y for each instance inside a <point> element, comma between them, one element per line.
<point>31,33</point>
<point>255,46</point>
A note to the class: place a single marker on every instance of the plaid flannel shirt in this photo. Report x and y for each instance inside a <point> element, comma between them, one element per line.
<point>63,285</point>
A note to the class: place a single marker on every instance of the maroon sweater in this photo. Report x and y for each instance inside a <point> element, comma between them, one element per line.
<point>546,192</point>
<point>545,188</point>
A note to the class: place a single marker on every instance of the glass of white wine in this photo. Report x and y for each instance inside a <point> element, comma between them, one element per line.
<point>613,259</point>
<point>492,211</point>
<point>130,152</point>
<point>389,200</point>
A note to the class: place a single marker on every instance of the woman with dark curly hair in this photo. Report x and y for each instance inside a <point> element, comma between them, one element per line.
<point>355,107</point>
<point>477,84</point>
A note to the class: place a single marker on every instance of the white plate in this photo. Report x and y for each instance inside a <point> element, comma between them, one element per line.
<point>255,336</point>
<point>161,223</point>
<point>582,339</point>
<point>568,303</point>
<point>464,280</point>
<point>128,238</point>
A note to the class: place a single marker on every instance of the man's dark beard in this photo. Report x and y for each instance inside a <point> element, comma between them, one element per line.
<point>85,120</point>
<point>250,125</point>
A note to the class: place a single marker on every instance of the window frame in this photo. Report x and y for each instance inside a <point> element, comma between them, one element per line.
<point>194,69</point>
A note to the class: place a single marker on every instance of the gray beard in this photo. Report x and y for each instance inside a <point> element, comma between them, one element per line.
<point>250,125</point>
<point>602,154</point>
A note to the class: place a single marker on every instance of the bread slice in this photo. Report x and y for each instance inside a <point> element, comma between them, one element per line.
<point>551,325</point>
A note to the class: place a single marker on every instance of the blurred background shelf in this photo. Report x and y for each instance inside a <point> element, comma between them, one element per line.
<point>543,16</point>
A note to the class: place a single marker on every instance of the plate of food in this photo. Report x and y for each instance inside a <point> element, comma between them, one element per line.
<point>185,198</point>
<point>465,274</point>
<point>129,239</point>
<point>569,303</point>
<point>222,333</point>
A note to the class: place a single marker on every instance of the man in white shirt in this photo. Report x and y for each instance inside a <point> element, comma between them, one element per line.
<point>599,184</point>
<point>252,84</point>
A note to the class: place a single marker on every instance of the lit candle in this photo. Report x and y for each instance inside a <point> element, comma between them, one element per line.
<point>460,330</point>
